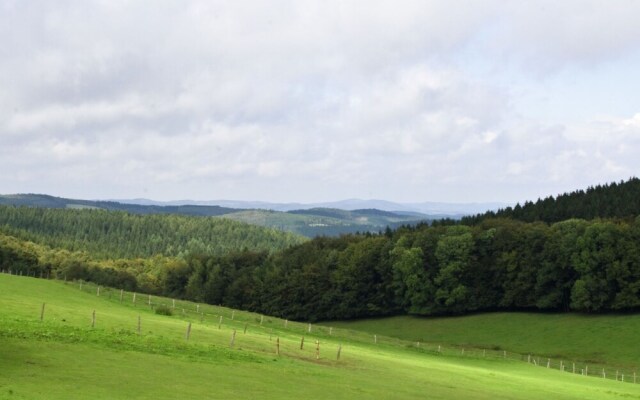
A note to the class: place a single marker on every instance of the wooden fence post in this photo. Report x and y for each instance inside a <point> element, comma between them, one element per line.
<point>233,314</point>
<point>173,303</point>
<point>139,323</point>
<point>302,343</point>
<point>339,350</point>
<point>261,319</point>
<point>330,331</point>
<point>149,301</point>
<point>504,354</point>
<point>134,298</point>
<point>278,346</point>
<point>220,323</point>
<point>80,285</point>
<point>42,312</point>
<point>574,368</point>
<point>93,319</point>
<point>317,349</point>
<point>309,328</point>
<point>121,294</point>
<point>375,339</point>
<point>604,375</point>
<point>286,321</point>
<point>188,335</point>
<point>98,291</point>
<point>233,338</point>
<point>548,362</point>
<point>245,328</point>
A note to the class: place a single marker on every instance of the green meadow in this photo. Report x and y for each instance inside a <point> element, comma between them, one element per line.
<point>64,357</point>
<point>608,339</point>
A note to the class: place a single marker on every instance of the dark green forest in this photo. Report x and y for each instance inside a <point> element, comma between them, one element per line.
<point>115,234</point>
<point>487,263</point>
<point>614,200</point>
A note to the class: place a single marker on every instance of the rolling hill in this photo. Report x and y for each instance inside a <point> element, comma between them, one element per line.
<point>59,341</point>
<point>308,222</point>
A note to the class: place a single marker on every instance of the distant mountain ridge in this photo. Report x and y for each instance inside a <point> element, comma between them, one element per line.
<point>429,208</point>
<point>311,220</point>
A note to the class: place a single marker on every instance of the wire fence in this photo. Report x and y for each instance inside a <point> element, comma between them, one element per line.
<point>242,322</point>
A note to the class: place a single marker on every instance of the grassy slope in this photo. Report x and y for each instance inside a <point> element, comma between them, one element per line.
<point>63,357</point>
<point>601,339</point>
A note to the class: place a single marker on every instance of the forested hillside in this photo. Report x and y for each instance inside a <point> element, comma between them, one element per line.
<point>114,234</point>
<point>46,201</point>
<point>444,268</point>
<point>310,223</point>
<point>615,200</point>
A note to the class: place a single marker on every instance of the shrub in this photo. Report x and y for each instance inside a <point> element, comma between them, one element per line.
<point>163,310</point>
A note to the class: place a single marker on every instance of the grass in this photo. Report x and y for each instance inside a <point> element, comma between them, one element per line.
<point>609,340</point>
<point>62,357</point>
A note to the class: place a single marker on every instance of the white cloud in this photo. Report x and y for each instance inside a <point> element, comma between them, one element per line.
<point>304,100</point>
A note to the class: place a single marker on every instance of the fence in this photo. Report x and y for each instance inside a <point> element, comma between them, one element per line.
<point>243,322</point>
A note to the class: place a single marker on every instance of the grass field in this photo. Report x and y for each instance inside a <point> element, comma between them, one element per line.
<point>63,357</point>
<point>597,339</point>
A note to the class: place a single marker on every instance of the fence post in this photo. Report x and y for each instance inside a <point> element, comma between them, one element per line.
<point>302,343</point>
<point>317,349</point>
<point>548,362</point>
<point>278,346</point>
<point>330,330</point>
<point>375,339</point>
<point>233,314</point>
<point>309,328</point>
<point>93,319</point>
<point>220,323</point>
<point>261,319</point>
<point>339,350</point>
<point>121,294</point>
<point>233,338</point>
<point>173,303</point>
<point>98,291</point>
<point>604,376</point>
<point>504,354</point>
<point>134,298</point>
<point>42,312</point>
<point>286,322</point>
<point>188,335</point>
<point>139,325</point>
<point>574,368</point>
<point>245,328</point>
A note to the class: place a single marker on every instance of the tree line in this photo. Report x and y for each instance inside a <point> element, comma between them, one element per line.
<point>613,200</point>
<point>496,264</point>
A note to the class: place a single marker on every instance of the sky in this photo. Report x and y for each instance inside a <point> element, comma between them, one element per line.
<point>309,101</point>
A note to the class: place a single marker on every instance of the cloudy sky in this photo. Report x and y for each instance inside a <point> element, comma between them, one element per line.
<point>318,100</point>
